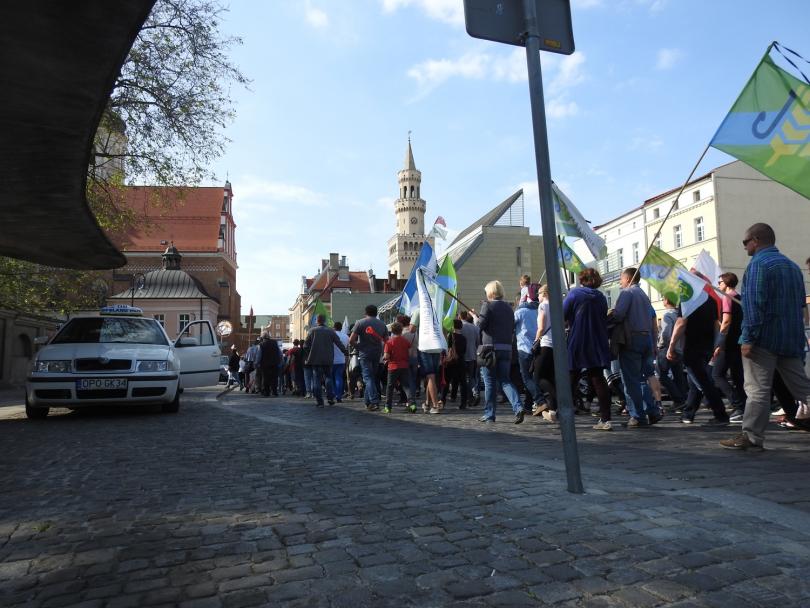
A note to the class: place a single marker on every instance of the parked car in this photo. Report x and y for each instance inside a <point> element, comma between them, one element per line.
<point>120,358</point>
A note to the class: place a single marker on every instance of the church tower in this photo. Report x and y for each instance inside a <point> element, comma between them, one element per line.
<point>409,211</point>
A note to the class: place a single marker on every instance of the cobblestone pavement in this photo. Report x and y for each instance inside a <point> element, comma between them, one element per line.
<point>249,501</point>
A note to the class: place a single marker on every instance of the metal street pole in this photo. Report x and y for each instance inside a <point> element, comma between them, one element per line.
<point>561,376</point>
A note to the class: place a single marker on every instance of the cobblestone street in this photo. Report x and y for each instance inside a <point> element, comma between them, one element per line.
<point>248,501</point>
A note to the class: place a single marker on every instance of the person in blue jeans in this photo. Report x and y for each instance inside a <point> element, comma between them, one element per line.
<point>339,362</point>
<point>525,333</point>
<point>635,359</point>
<point>368,336</point>
<point>497,324</point>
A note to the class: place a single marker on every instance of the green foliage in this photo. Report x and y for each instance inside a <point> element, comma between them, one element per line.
<point>163,126</point>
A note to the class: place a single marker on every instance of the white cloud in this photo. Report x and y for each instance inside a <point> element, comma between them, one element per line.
<point>654,5</point>
<point>316,17</point>
<point>647,143</point>
<point>559,108</point>
<point>511,67</point>
<point>433,72</point>
<point>667,58</point>
<point>251,188</point>
<point>585,4</point>
<point>447,11</point>
<point>569,73</point>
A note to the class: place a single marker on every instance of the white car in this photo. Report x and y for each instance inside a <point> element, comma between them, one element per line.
<point>120,359</point>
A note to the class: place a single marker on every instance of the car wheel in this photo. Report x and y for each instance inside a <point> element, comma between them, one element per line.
<point>35,413</point>
<point>174,406</point>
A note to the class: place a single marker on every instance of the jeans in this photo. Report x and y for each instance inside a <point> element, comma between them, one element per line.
<point>503,365</point>
<point>676,384</point>
<point>634,362</point>
<point>369,367</point>
<point>338,373</point>
<point>403,375</point>
<point>472,377</point>
<point>697,362</point>
<point>308,379</point>
<point>322,374</point>
<point>413,380</point>
<point>759,371</point>
<point>525,361</point>
<point>730,360</point>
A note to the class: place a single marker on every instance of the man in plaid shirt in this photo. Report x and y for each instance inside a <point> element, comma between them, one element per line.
<point>774,310</point>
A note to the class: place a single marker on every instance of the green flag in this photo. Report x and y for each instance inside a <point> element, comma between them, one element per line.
<point>768,127</point>
<point>569,260</point>
<point>320,309</point>
<point>446,278</point>
<point>671,279</point>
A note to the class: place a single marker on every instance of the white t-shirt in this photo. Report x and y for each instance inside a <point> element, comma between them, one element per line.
<point>546,328</point>
<point>340,358</point>
<point>524,294</point>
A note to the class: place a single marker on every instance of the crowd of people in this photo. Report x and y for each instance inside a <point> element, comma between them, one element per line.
<point>733,355</point>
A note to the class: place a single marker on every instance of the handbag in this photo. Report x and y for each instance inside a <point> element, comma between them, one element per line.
<point>485,356</point>
<point>803,411</point>
<point>619,336</point>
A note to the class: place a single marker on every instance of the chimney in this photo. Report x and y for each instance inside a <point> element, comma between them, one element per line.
<point>333,261</point>
<point>343,269</point>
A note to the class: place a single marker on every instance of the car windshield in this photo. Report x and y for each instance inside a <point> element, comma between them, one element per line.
<point>105,330</point>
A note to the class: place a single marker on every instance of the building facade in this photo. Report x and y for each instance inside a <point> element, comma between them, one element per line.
<point>409,212</point>
<point>496,247</point>
<point>198,222</point>
<point>711,214</point>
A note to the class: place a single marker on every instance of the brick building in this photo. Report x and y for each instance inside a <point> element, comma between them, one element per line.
<point>199,222</point>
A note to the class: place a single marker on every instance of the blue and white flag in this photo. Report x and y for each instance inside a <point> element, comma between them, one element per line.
<point>409,301</point>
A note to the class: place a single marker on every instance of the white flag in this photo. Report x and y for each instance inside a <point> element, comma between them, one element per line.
<point>431,337</point>
<point>570,222</point>
<point>705,265</point>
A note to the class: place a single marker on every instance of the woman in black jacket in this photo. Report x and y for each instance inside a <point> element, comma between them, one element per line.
<point>497,323</point>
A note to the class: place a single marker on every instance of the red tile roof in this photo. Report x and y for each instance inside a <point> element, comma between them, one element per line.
<point>187,216</point>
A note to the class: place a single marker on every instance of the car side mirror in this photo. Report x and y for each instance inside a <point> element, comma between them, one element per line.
<point>187,341</point>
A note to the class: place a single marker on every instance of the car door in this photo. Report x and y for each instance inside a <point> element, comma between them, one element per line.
<point>198,353</point>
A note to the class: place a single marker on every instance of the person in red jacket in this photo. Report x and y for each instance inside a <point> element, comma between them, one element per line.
<point>395,354</point>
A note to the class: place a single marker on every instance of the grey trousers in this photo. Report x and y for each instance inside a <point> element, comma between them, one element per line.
<point>759,369</point>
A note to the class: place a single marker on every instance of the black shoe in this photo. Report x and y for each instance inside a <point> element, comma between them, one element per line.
<point>519,417</point>
<point>463,406</point>
<point>331,402</point>
<point>655,419</point>
<point>714,422</point>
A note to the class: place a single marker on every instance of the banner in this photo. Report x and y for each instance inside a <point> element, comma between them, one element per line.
<point>571,223</point>
<point>768,127</point>
<point>568,259</point>
<point>439,229</point>
<point>447,279</point>
<point>673,281</point>
<point>320,309</point>
<point>431,336</point>
<point>409,301</point>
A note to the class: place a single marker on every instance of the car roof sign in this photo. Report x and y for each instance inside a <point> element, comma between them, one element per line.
<point>122,310</point>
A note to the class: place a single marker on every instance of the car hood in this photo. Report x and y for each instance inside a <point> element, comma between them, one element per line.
<point>112,351</point>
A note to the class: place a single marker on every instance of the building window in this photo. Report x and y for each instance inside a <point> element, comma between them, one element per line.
<point>619,232</point>
<point>161,319</point>
<point>182,321</point>
<point>658,242</point>
<point>677,236</point>
<point>696,196</point>
<point>519,257</point>
<point>635,253</point>
<point>634,225</point>
<point>609,297</point>
<point>700,229</point>
<point>620,256</point>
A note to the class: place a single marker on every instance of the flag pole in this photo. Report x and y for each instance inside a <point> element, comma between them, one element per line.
<point>562,259</point>
<point>671,209</point>
<point>454,297</point>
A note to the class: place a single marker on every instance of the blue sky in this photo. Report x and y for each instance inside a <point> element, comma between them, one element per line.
<point>337,85</point>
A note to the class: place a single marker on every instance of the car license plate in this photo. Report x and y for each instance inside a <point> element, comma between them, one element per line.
<point>100,384</point>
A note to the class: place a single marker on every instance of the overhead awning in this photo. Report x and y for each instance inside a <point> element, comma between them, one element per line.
<point>58,63</point>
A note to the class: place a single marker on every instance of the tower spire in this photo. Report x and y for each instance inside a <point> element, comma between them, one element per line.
<point>410,165</point>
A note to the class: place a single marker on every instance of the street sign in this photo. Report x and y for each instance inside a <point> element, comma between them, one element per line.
<point>503,21</point>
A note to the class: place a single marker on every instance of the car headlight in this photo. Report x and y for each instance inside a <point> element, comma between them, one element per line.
<point>54,367</point>
<point>152,366</point>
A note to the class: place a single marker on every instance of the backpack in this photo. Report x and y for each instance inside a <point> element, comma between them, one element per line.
<point>534,292</point>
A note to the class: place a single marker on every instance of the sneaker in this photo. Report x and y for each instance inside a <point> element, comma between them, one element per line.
<point>677,407</point>
<point>486,419</point>
<point>634,423</point>
<point>779,412</point>
<point>412,408</point>
<point>425,408</point>
<point>603,425</point>
<point>386,410</point>
<point>539,408</point>
<point>435,410</point>
<point>736,416</point>
<point>687,420</point>
<point>331,402</point>
<point>714,422</point>
<point>373,407</point>
<point>519,417</point>
<point>741,442</point>
<point>550,416</point>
